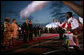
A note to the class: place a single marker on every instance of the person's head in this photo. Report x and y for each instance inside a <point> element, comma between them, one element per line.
<point>54,20</point>
<point>26,20</point>
<point>68,15</point>
<point>14,20</point>
<point>30,22</point>
<point>7,19</point>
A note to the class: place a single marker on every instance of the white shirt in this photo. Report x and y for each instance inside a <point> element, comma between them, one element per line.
<point>74,23</point>
<point>19,28</point>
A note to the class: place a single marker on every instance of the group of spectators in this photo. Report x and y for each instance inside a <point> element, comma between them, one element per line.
<point>11,32</point>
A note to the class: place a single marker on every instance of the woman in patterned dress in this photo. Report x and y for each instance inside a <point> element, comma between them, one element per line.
<point>7,32</point>
<point>15,31</point>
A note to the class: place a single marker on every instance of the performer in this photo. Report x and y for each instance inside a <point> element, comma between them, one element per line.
<point>30,31</point>
<point>78,9</point>
<point>25,28</point>
<point>38,28</point>
<point>70,26</point>
<point>15,31</point>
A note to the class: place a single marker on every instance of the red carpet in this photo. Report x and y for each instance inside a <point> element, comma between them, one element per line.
<point>37,39</point>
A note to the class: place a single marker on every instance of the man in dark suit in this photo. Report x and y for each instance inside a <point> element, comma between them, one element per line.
<point>30,31</point>
<point>25,28</point>
<point>35,31</point>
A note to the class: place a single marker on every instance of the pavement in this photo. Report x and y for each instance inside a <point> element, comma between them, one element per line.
<point>49,45</point>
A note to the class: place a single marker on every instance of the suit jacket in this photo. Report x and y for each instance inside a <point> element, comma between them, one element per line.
<point>25,27</point>
<point>30,28</point>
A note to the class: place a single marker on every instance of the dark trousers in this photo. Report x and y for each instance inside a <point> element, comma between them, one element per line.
<point>61,32</point>
<point>25,38</point>
<point>35,34</point>
<point>61,36</point>
<point>30,37</point>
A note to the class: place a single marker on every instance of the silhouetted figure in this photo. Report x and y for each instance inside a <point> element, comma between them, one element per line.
<point>35,31</point>
<point>19,30</point>
<point>25,28</point>
<point>2,32</point>
<point>30,31</point>
<point>46,30</point>
<point>38,28</point>
<point>61,32</point>
<point>41,30</point>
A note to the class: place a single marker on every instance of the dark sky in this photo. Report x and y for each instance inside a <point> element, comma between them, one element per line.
<point>12,9</point>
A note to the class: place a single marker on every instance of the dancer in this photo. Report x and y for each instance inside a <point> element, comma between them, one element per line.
<point>70,25</point>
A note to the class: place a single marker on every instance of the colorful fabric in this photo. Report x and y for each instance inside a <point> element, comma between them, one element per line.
<point>15,32</point>
<point>71,23</point>
<point>69,39</point>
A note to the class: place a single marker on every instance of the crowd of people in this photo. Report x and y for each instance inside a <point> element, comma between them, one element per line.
<point>67,30</point>
<point>11,32</point>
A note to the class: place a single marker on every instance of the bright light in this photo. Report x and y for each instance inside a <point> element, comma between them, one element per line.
<point>50,25</point>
